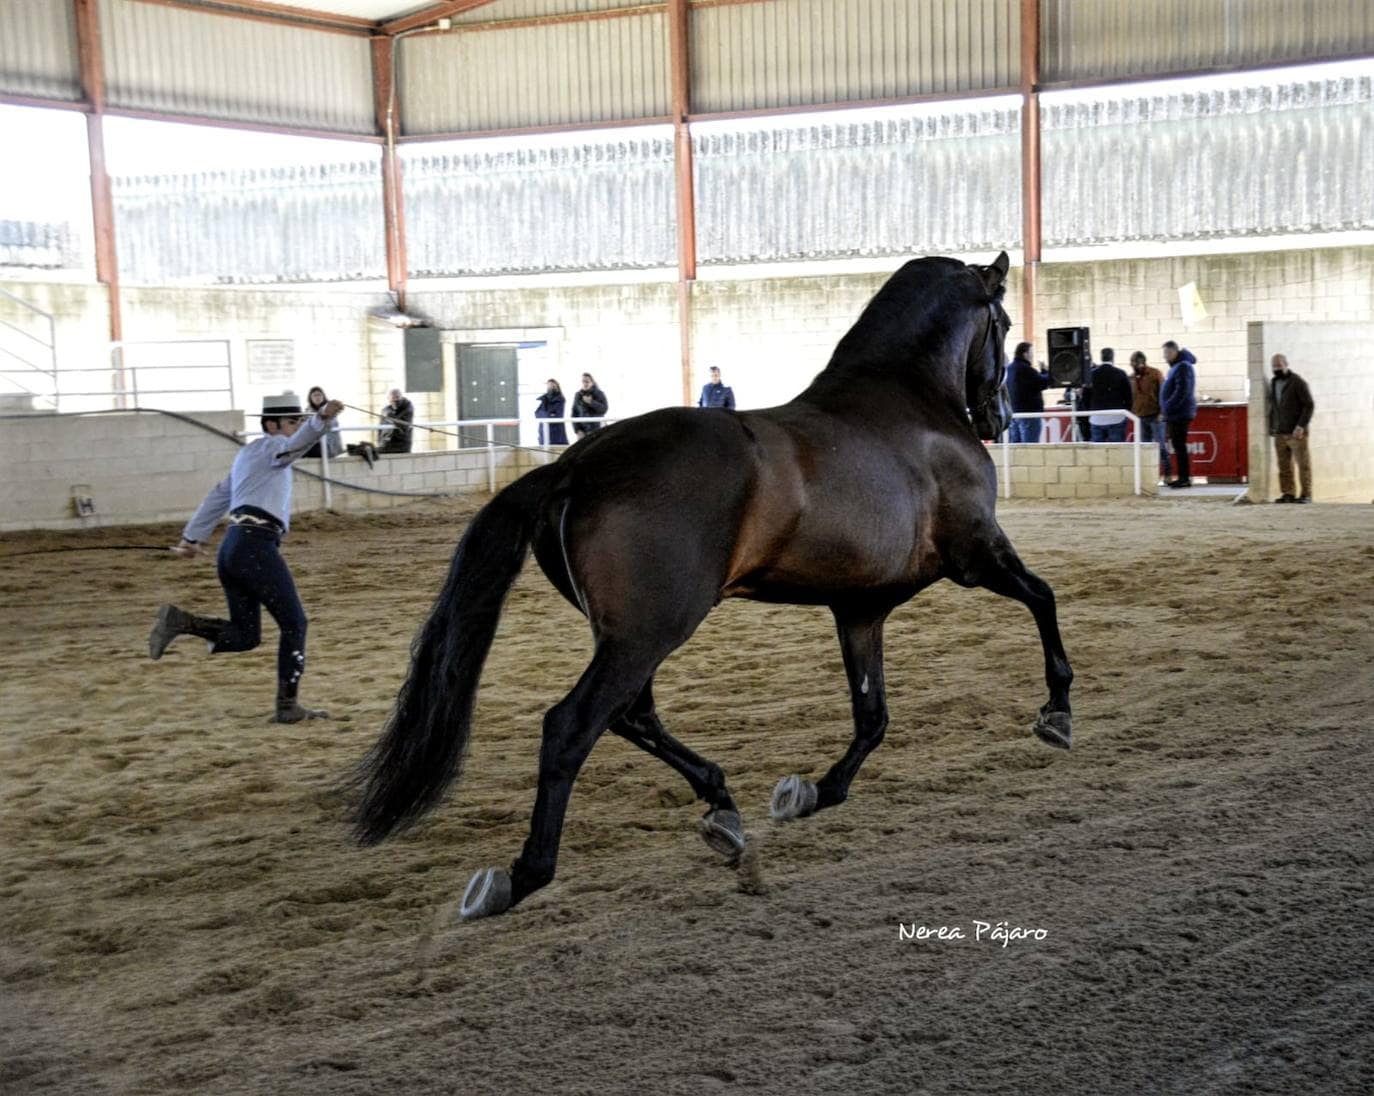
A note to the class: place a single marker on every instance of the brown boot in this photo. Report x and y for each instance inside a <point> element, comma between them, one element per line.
<point>172,622</point>
<point>289,709</point>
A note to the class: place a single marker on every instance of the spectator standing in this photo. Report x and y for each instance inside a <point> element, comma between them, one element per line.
<point>551,405</point>
<point>1289,407</point>
<point>1178,406</point>
<point>1026,389</point>
<point>398,414</point>
<point>589,403</point>
<point>1145,382</point>
<point>716,394</point>
<point>1108,395</point>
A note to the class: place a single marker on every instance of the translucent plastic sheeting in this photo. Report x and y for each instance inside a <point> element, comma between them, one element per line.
<point>321,223</point>
<point>1259,160</point>
<point>602,204</point>
<point>936,182</point>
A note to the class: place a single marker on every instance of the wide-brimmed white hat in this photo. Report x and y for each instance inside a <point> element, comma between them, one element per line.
<point>288,403</point>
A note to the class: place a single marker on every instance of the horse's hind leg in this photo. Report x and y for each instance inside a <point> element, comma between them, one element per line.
<point>722,828</point>
<point>1003,573</point>
<point>861,642</point>
<point>571,727</point>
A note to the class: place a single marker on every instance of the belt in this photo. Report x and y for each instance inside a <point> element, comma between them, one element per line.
<point>252,521</point>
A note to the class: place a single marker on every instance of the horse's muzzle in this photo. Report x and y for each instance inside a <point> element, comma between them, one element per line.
<point>993,417</point>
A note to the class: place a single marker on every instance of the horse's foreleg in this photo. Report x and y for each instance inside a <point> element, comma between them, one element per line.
<point>1007,575</point>
<point>571,727</point>
<point>722,827</point>
<point>861,643</point>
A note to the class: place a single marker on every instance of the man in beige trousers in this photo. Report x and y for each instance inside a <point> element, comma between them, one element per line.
<point>1288,405</point>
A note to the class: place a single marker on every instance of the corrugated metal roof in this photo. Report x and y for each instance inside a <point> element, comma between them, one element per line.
<point>213,66</point>
<point>810,52</point>
<point>38,50</point>
<point>560,74</point>
<point>1100,39</point>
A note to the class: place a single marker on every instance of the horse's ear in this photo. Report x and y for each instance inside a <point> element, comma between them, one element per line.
<point>995,276</point>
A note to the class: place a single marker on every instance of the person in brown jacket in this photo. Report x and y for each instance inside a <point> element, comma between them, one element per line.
<point>1288,406</point>
<point>1145,382</point>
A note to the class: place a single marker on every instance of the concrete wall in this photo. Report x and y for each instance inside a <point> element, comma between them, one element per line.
<point>336,344</point>
<point>770,336</point>
<point>1077,471</point>
<point>147,467</point>
<point>144,467</point>
<point>135,467</point>
<point>440,473</point>
<point>1334,360</point>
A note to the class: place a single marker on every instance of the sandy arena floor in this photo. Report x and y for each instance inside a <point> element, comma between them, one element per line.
<point>181,910</point>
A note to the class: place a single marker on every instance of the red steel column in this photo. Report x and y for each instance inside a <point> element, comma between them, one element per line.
<point>679,33</point>
<point>1030,163</point>
<point>387,108</point>
<point>102,204</point>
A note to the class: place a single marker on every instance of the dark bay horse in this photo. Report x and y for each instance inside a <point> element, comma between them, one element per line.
<point>869,486</point>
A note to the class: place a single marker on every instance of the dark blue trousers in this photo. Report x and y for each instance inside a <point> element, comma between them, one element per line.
<point>254,575</point>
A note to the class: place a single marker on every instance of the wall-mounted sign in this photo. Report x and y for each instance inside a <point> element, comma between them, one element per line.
<point>271,362</point>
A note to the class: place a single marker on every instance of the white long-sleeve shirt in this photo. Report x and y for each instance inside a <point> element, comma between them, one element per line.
<point>260,476</point>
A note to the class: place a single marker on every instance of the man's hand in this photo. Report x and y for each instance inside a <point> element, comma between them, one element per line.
<point>1299,433</point>
<point>186,549</point>
<point>332,408</point>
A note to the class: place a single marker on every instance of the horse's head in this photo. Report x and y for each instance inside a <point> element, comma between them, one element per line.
<point>988,404</point>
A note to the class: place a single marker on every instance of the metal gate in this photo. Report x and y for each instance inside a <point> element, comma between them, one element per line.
<point>487,389</point>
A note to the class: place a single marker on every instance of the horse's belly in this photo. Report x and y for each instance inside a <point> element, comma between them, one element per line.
<point>825,568</point>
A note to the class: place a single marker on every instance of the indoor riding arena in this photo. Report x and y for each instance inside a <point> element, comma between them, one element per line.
<point>431,211</point>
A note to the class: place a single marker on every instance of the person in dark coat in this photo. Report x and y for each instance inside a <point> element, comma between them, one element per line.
<point>1288,407</point>
<point>716,394</point>
<point>589,403</point>
<point>1178,406</point>
<point>551,406</point>
<point>398,414</point>
<point>1110,391</point>
<point>1026,389</point>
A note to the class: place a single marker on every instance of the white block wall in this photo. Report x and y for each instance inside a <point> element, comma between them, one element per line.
<point>1335,361</point>
<point>1076,471</point>
<point>137,467</point>
<point>144,468</point>
<point>451,473</point>
<point>770,336</point>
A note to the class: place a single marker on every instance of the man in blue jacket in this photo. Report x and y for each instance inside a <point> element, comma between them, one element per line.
<point>1026,389</point>
<point>1178,406</point>
<point>716,394</point>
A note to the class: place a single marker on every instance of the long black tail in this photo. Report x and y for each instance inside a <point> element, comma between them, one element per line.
<point>421,750</point>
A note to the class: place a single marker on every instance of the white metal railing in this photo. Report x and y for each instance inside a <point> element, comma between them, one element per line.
<point>126,374</point>
<point>1066,413</point>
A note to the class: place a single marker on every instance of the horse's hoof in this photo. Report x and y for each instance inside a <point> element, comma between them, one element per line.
<point>793,798</point>
<point>724,832</point>
<point>1054,728</point>
<point>488,893</point>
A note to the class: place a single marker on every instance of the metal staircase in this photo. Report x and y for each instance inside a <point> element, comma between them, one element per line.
<point>28,356</point>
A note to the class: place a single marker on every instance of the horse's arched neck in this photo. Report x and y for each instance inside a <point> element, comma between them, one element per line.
<point>929,367</point>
